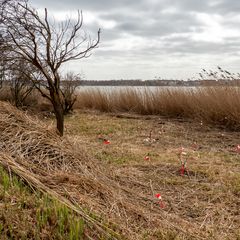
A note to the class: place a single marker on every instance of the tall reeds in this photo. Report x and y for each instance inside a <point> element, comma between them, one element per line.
<point>220,105</point>
<point>214,104</point>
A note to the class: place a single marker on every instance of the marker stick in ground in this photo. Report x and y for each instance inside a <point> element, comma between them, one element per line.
<point>238,148</point>
<point>183,168</point>
<point>105,141</point>
<point>159,197</point>
<point>147,158</point>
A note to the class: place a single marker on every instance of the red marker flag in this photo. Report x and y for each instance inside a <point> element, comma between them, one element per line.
<point>158,196</point>
<point>147,158</point>
<point>105,141</point>
<point>182,170</point>
<point>238,148</point>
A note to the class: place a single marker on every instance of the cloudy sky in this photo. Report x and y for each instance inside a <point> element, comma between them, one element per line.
<point>144,39</point>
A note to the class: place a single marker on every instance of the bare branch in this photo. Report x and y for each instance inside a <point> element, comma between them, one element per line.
<point>46,45</point>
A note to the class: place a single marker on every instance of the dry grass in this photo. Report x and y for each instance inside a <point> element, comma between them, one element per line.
<point>113,188</point>
<point>218,105</point>
<point>48,163</point>
<point>94,100</point>
<point>33,99</point>
<point>205,200</point>
<point>5,94</point>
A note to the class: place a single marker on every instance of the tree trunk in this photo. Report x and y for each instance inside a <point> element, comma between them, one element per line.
<point>60,118</point>
<point>59,112</point>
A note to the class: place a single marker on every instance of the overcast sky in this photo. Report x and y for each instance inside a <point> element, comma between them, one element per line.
<point>144,39</point>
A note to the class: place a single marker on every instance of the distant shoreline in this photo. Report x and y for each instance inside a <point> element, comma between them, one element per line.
<point>160,83</point>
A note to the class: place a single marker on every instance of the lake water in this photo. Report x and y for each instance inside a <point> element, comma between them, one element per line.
<point>138,88</point>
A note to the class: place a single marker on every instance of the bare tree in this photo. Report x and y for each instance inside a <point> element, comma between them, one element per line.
<point>2,72</point>
<point>46,45</point>
<point>19,81</point>
<point>68,88</point>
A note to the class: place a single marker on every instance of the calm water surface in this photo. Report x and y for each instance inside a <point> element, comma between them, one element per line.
<point>139,88</point>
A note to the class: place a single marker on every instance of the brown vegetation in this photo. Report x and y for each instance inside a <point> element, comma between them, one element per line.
<point>217,105</point>
<point>119,199</point>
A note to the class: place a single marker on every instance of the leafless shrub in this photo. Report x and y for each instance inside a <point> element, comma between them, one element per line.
<point>19,82</point>
<point>68,88</point>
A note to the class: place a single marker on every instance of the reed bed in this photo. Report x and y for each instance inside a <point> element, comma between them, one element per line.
<point>217,105</point>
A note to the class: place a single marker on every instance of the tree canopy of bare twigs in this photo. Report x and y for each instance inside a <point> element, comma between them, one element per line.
<point>17,79</point>
<point>47,45</point>
<point>68,87</point>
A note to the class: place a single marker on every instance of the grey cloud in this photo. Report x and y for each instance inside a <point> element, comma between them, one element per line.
<point>190,5</point>
<point>149,20</point>
<point>230,6</point>
<point>165,26</point>
<point>94,5</point>
<point>160,25</point>
<point>185,45</point>
<point>142,18</point>
<point>176,46</point>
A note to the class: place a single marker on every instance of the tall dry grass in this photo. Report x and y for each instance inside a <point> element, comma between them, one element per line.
<point>219,105</point>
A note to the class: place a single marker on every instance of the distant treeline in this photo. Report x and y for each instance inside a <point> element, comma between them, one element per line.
<point>137,83</point>
<point>190,83</point>
<point>176,83</point>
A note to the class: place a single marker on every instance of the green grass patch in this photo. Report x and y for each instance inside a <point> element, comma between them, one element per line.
<point>32,215</point>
